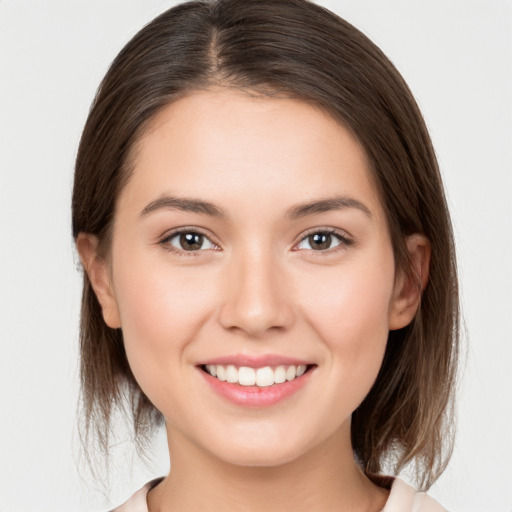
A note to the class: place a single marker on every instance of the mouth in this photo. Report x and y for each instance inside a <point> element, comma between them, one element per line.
<point>262,384</point>
<point>262,377</point>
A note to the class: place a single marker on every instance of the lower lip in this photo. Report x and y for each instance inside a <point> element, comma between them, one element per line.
<point>254,396</point>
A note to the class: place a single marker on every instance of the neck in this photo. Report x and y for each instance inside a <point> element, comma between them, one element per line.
<point>324,478</point>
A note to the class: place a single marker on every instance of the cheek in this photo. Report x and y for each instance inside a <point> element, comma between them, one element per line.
<point>353,299</point>
<point>161,311</point>
<point>350,313</point>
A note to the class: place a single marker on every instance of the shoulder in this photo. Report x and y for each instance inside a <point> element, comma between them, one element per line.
<point>138,503</point>
<point>403,498</point>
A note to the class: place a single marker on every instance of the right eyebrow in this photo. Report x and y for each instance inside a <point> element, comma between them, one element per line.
<point>326,205</point>
<point>183,204</point>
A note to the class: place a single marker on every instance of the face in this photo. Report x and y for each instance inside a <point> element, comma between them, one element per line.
<point>252,274</point>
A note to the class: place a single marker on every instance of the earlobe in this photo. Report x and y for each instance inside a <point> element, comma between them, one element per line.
<point>409,288</point>
<point>97,270</point>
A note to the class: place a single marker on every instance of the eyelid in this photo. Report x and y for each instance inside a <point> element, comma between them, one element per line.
<point>345,238</point>
<point>168,235</point>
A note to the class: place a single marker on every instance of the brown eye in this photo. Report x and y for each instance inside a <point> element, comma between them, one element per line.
<point>320,241</point>
<point>189,241</point>
<point>323,241</point>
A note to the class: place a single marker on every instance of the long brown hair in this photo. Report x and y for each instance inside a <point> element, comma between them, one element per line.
<point>297,49</point>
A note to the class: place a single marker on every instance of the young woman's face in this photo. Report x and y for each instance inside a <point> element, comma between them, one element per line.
<point>250,236</point>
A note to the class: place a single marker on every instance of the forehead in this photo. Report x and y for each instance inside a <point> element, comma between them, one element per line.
<point>230,145</point>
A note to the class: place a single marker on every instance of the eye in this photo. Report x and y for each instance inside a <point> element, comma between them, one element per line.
<point>323,241</point>
<point>188,241</point>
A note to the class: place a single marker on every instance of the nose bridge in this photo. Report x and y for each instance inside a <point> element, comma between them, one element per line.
<point>255,294</point>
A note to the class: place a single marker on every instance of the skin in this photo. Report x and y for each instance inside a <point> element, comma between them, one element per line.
<point>256,286</point>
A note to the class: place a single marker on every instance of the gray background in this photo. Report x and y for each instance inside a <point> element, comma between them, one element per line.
<point>457,57</point>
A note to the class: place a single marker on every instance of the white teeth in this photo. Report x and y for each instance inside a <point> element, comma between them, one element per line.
<point>261,377</point>
<point>231,374</point>
<point>280,375</point>
<point>291,373</point>
<point>264,377</point>
<point>246,376</point>
<point>221,373</point>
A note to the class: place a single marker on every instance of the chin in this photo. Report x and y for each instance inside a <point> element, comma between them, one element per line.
<point>263,449</point>
<point>260,458</point>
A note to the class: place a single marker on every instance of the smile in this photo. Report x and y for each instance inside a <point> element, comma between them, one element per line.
<point>261,377</point>
<point>256,381</point>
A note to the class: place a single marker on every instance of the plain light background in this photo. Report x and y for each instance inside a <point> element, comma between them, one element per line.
<point>456,56</point>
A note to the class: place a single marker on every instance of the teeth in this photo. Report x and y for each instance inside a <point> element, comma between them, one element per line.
<point>261,377</point>
<point>221,373</point>
<point>280,375</point>
<point>246,376</point>
<point>231,374</point>
<point>264,377</point>
<point>212,370</point>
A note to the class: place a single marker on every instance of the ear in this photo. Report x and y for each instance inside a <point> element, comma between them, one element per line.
<point>99,276</point>
<point>408,289</point>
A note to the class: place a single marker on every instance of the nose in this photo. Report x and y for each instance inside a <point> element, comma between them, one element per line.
<point>256,298</point>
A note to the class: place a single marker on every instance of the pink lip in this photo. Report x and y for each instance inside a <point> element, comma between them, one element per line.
<point>254,396</point>
<point>255,361</point>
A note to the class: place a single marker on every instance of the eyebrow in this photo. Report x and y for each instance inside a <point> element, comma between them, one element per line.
<point>183,204</point>
<point>296,212</point>
<point>327,205</point>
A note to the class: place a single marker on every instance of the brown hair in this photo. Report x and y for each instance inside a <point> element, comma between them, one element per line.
<point>296,49</point>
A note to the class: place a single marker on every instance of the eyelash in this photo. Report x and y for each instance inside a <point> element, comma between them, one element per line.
<point>165,242</point>
<point>344,241</point>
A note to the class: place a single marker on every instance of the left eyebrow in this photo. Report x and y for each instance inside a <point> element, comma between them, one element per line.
<point>183,204</point>
<point>326,205</point>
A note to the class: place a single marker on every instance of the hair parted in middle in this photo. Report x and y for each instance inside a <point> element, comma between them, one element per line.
<point>293,49</point>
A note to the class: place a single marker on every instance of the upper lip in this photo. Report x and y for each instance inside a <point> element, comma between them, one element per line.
<point>255,361</point>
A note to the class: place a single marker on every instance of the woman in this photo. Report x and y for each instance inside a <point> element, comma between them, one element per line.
<point>269,262</point>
